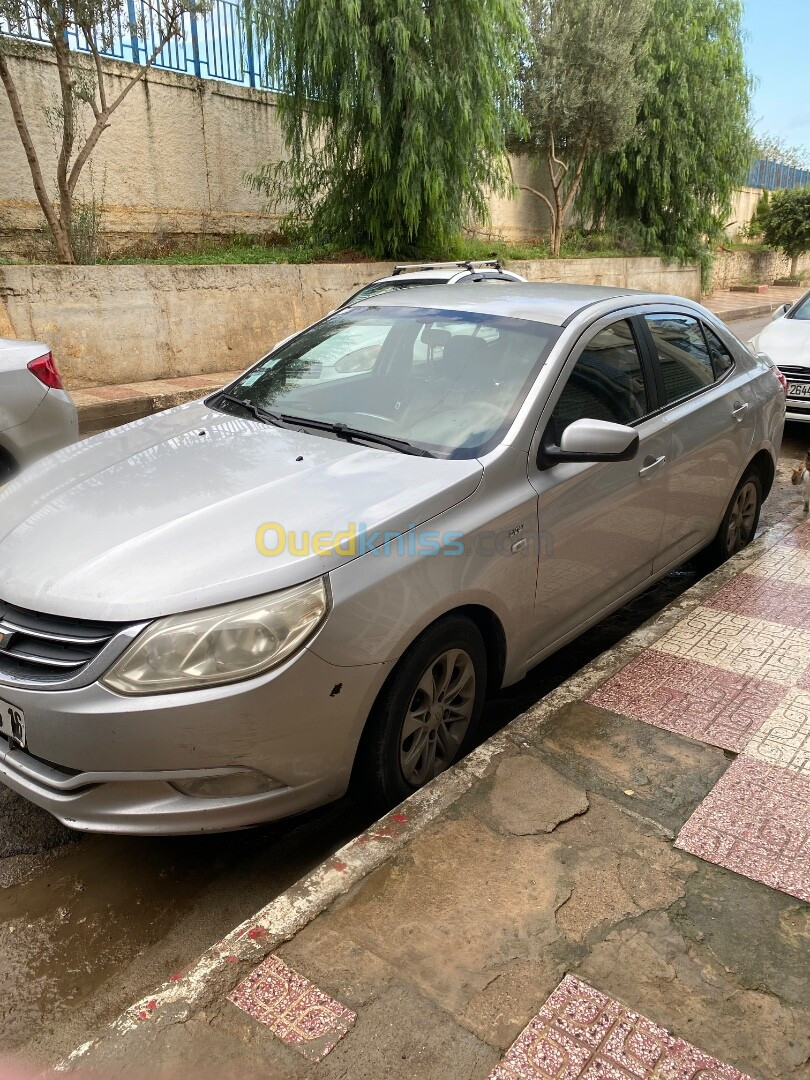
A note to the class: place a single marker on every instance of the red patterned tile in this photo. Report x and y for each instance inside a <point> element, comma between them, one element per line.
<point>756,822</point>
<point>691,698</point>
<point>582,1034</point>
<point>799,538</point>
<point>294,1009</point>
<point>765,598</point>
<point>783,739</point>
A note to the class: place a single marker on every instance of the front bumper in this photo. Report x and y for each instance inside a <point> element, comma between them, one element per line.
<point>102,762</point>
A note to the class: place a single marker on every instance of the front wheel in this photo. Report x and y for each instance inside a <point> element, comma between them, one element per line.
<point>739,524</point>
<point>427,715</point>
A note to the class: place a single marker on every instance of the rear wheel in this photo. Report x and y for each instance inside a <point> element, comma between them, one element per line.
<point>427,715</point>
<point>739,524</point>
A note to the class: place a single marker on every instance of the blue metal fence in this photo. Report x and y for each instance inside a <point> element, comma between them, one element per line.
<point>220,44</point>
<point>775,175</point>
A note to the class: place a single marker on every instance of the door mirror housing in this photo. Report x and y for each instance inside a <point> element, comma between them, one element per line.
<point>594,440</point>
<point>783,309</point>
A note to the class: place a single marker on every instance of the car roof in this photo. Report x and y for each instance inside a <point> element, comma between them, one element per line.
<point>545,302</point>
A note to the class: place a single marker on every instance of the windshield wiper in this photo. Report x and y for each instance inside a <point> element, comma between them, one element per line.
<point>262,415</point>
<point>352,434</point>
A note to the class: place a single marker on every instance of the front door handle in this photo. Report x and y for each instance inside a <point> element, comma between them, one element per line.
<point>738,412</point>
<point>651,463</point>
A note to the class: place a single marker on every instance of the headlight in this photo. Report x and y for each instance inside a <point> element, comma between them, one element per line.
<point>221,644</point>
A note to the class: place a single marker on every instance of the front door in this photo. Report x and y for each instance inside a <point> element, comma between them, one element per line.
<point>600,524</point>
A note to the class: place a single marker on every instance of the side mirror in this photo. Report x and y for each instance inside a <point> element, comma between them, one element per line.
<point>780,311</point>
<point>594,440</point>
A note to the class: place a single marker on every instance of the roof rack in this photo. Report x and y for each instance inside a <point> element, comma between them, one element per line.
<point>465,264</point>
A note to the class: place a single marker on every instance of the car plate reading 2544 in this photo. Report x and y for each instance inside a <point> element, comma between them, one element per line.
<point>12,723</point>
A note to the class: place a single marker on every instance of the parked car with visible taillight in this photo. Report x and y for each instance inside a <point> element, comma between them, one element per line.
<point>37,414</point>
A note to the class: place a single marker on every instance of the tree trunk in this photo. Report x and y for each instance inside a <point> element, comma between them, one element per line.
<point>794,266</point>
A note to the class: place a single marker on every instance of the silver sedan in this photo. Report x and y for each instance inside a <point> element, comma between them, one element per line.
<point>226,613</point>
<point>36,413</point>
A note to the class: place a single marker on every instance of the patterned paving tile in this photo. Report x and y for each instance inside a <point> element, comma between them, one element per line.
<point>582,1033</point>
<point>765,598</point>
<point>798,538</point>
<point>295,1010</point>
<point>693,699</point>
<point>756,822</point>
<point>754,647</point>
<point>786,563</point>
<point>783,739</point>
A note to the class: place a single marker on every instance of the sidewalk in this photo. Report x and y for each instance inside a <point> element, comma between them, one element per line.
<point>614,886</point>
<point>103,407</point>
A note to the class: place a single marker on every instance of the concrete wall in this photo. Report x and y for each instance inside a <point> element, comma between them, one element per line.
<point>749,267</point>
<point>118,324</point>
<point>743,207</point>
<point>170,166</point>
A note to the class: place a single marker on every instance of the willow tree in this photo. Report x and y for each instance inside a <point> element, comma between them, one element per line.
<point>579,90</point>
<point>393,114</point>
<point>691,146</point>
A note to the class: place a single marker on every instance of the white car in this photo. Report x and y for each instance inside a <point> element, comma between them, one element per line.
<point>37,415</point>
<point>409,275</point>
<point>786,340</point>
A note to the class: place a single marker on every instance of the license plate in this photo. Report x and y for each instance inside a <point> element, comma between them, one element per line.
<point>12,723</point>
<point>801,390</point>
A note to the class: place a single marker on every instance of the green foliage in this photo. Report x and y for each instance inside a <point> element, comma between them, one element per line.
<point>393,113</point>
<point>580,87</point>
<point>692,145</point>
<point>754,229</point>
<point>787,226</point>
<point>579,90</point>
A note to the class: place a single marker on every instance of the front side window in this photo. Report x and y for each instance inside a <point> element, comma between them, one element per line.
<point>607,383</point>
<point>435,380</point>
<point>684,358</point>
<point>722,359</point>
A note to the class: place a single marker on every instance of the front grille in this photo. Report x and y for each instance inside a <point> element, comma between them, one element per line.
<point>43,649</point>
<point>795,374</point>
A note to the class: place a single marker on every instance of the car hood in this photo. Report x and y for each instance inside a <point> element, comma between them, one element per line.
<point>161,516</point>
<point>786,341</point>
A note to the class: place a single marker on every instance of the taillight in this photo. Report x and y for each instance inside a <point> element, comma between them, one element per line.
<point>45,369</point>
<point>782,380</point>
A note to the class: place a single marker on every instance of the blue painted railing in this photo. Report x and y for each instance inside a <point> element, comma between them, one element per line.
<point>775,175</point>
<point>217,45</point>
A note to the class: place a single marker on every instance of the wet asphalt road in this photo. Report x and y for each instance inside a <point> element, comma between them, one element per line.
<point>88,924</point>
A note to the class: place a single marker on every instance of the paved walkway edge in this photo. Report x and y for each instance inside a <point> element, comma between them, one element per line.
<point>225,964</point>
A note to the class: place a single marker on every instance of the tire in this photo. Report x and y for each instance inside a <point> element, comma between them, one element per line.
<point>8,467</point>
<point>740,521</point>
<point>389,765</point>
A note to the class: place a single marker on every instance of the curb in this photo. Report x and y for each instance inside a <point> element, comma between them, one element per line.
<point>753,311</point>
<point>225,964</point>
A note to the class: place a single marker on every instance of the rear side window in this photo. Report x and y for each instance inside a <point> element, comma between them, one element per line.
<point>682,353</point>
<point>607,383</point>
<point>721,358</point>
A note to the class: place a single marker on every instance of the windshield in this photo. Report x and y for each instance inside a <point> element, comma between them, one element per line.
<point>802,310</point>
<point>442,381</point>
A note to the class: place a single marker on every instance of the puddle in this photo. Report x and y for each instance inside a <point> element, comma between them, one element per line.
<point>63,934</point>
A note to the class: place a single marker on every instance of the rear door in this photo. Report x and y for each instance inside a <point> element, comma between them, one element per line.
<point>709,410</point>
<point>20,391</point>
<point>600,524</point>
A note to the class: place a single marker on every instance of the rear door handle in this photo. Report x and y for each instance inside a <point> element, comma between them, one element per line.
<point>651,463</point>
<point>739,410</point>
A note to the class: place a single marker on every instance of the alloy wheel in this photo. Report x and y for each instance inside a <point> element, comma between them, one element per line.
<point>437,717</point>
<point>742,518</point>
